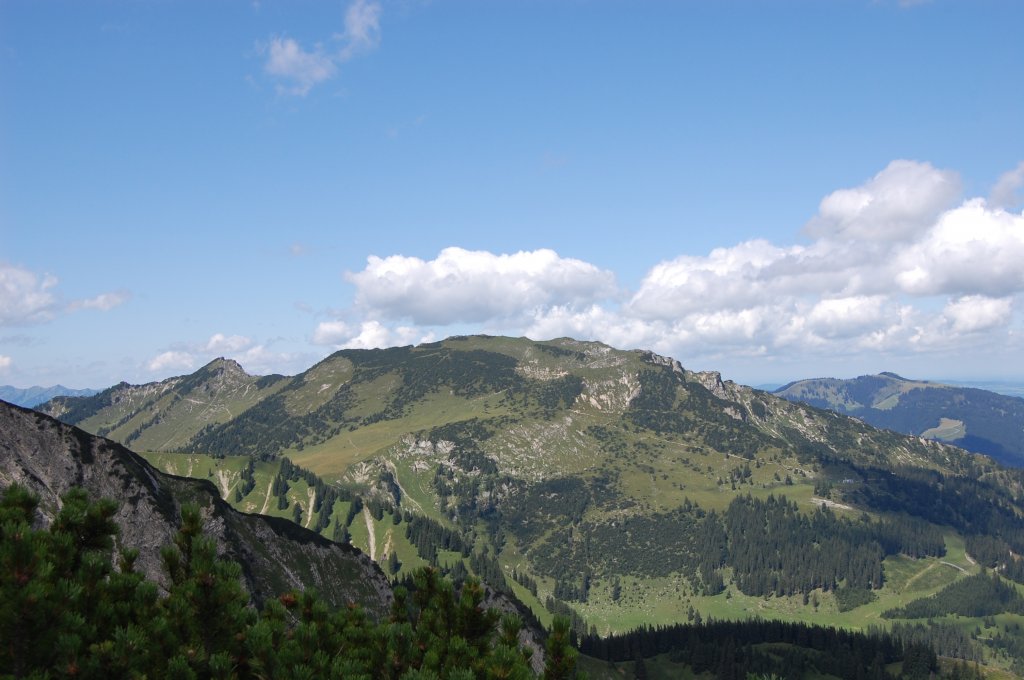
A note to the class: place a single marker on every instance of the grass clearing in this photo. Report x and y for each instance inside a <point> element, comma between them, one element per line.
<point>332,459</point>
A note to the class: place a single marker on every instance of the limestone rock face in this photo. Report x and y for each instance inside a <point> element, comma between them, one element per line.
<point>49,458</point>
<point>712,381</point>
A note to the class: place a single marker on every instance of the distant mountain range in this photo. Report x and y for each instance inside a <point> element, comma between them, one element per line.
<point>977,420</point>
<point>33,396</point>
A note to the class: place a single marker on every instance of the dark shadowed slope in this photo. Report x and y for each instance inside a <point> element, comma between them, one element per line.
<point>49,458</point>
<point>976,420</point>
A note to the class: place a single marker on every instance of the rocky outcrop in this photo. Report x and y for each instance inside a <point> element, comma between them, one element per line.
<point>49,458</point>
<point>659,360</point>
<point>712,382</point>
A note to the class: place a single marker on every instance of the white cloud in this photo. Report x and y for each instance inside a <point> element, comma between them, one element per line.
<point>973,313</point>
<point>227,344</point>
<point>896,204</point>
<point>103,302</point>
<point>1007,191</point>
<point>171,361</point>
<point>971,250</point>
<point>368,335</point>
<point>594,322</point>
<point>846,317</point>
<point>474,286</point>
<point>28,298</point>
<point>288,61</point>
<point>261,360</point>
<point>362,28</point>
<point>299,70</point>
<point>371,335</point>
<point>25,297</point>
<point>734,277</point>
<point>331,333</point>
<point>856,286</point>
<point>255,358</point>
<point>5,363</point>
<point>893,268</point>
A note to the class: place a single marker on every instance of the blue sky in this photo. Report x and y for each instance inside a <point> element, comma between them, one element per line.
<point>773,189</point>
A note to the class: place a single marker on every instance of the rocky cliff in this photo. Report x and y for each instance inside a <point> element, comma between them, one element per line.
<point>50,457</point>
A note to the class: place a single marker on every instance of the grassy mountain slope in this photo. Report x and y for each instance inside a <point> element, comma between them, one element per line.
<point>977,420</point>
<point>615,485</point>
<point>535,397</point>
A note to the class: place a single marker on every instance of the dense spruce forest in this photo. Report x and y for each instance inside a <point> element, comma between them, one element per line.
<point>738,650</point>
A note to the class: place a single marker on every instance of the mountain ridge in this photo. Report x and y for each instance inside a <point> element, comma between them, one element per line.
<point>140,415</point>
<point>977,420</point>
<point>35,395</point>
<point>615,486</point>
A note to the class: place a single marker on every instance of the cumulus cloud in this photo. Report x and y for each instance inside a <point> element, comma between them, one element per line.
<point>371,336</point>
<point>736,277</point>
<point>971,250</point>
<point>1007,192</point>
<point>261,360</point>
<point>896,266</point>
<point>594,322</point>
<point>896,204</point>
<point>172,360</point>
<point>882,252</point>
<point>5,363</point>
<point>367,335</point>
<point>475,286</point>
<point>227,344</point>
<point>255,358</point>
<point>973,313</point>
<point>25,297</point>
<point>846,317</point>
<point>332,333</point>
<point>298,70</point>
